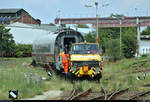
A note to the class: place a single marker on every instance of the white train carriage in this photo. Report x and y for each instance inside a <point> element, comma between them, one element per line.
<point>46,48</point>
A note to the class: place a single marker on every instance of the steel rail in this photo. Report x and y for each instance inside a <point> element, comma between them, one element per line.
<point>81,94</point>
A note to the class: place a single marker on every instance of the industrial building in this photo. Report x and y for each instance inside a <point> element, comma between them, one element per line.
<point>145,44</point>
<point>8,16</point>
<point>26,33</point>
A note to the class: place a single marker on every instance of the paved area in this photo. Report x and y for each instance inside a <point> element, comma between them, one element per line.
<point>47,95</point>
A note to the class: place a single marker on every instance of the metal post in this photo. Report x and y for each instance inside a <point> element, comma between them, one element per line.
<point>96,4</point>
<point>120,35</point>
<point>59,22</point>
<point>138,37</point>
<point>1,45</point>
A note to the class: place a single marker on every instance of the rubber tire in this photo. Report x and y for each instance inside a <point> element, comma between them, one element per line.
<point>98,77</point>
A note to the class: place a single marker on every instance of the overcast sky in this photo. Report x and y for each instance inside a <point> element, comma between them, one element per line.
<point>47,10</point>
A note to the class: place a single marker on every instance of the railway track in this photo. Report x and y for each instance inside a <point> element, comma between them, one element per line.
<point>115,95</point>
<point>104,95</point>
<point>90,95</point>
<point>138,95</point>
<point>143,70</point>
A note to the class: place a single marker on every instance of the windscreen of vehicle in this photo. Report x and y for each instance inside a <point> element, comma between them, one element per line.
<point>85,49</point>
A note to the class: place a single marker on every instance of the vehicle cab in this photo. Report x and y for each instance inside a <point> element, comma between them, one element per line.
<point>85,59</point>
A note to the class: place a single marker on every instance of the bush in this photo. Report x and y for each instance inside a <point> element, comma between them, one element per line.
<point>129,42</point>
<point>19,53</point>
<point>145,55</point>
<point>21,49</point>
<point>113,50</point>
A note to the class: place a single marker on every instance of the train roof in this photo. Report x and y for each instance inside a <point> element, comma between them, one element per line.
<point>52,36</point>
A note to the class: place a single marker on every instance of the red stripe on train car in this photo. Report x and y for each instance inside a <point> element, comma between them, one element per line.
<point>33,54</point>
<point>50,55</point>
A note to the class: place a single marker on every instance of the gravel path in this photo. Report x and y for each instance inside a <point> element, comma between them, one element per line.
<point>47,95</point>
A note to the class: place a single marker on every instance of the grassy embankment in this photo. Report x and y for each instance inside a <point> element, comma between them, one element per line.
<point>115,75</point>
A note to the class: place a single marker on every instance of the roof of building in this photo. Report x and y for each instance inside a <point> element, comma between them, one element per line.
<point>44,27</point>
<point>19,25</point>
<point>13,10</point>
<point>24,33</point>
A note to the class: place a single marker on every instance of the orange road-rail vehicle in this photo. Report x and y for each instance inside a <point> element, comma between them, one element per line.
<point>83,59</point>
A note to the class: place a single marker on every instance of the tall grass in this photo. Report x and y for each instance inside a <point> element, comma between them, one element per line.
<point>12,76</point>
<point>115,75</point>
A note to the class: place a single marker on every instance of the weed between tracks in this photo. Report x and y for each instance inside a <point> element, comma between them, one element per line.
<point>120,74</point>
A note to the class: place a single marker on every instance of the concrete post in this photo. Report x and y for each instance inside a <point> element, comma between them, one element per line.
<point>138,37</point>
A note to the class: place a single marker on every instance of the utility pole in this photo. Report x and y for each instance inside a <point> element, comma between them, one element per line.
<point>1,45</point>
<point>120,35</point>
<point>138,37</point>
<point>97,37</point>
<point>120,19</point>
<point>59,17</point>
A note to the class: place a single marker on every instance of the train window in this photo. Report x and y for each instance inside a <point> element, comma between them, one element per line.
<point>85,49</point>
<point>44,48</point>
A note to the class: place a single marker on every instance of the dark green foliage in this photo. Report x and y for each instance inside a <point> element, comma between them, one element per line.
<point>146,31</point>
<point>145,55</point>
<point>129,42</point>
<point>7,44</point>
<point>129,39</point>
<point>23,48</point>
<point>82,26</point>
<point>106,34</point>
<point>19,53</point>
<point>91,37</point>
<point>113,50</point>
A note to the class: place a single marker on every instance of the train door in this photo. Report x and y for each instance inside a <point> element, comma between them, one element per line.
<point>67,43</point>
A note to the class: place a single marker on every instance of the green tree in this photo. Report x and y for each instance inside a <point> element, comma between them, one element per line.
<point>112,50</point>
<point>106,34</point>
<point>82,26</point>
<point>129,42</point>
<point>146,31</point>
<point>129,39</point>
<point>91,37</point>
<point>7,44</point>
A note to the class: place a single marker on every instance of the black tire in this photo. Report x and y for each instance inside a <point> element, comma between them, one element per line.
<point>98,77</point>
